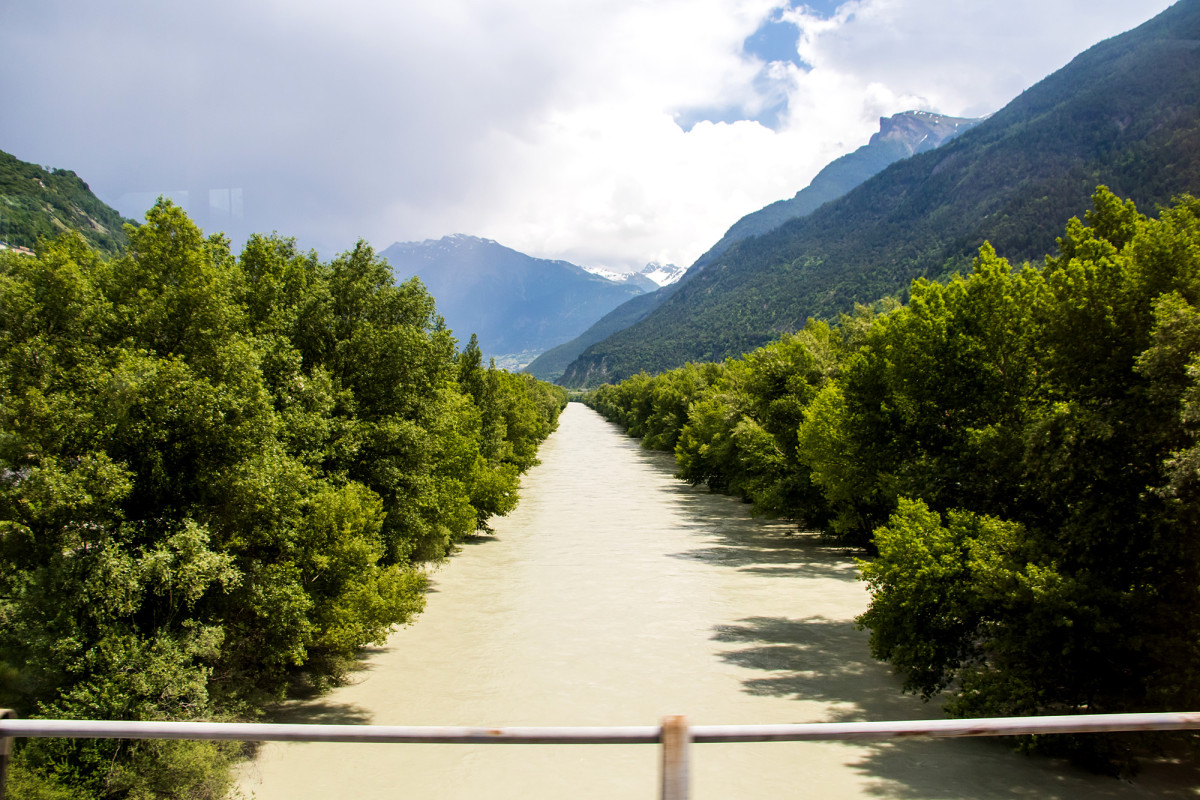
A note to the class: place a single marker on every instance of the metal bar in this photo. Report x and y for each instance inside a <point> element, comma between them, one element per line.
<point>645,734</point>
<point>675,745</point>
<point>5,752</point>
<point>260,732</point>
<point>993,726</point>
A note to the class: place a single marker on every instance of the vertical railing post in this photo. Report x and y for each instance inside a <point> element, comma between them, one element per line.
<point>5,752</point>
<point>676,742</point>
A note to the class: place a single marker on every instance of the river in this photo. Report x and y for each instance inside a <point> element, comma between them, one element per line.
<point>617,595</point>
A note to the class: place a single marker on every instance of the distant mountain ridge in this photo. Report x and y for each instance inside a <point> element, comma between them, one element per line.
<point>36,201</point>
<point>663,274</point>
<point>552,364</point>
<point>632,278</point>
<point>899,136</point>
<point>1125,113</point>
<point>518,305</point>
<point>651,276</point>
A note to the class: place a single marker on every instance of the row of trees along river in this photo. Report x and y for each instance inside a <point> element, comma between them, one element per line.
<point>1017,450</point>
<point>223,476</point>
<point>616,594</point>
<point>1009,454</point>
<point>220,477</point>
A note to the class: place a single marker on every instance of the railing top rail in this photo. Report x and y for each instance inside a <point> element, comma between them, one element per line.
<point>643,734</point>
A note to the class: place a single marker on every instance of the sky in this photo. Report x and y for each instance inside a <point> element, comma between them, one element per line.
<point>609,133</point>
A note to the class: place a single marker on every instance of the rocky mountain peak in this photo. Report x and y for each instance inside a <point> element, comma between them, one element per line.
<point>919,131</point>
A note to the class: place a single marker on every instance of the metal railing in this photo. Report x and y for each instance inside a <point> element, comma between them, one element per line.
<point>674,734</point>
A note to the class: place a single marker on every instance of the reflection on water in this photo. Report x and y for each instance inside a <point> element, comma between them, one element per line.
<point>616,595</point>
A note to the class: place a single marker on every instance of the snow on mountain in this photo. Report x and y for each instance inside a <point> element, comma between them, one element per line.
<point>659,274</point>
<point>611,275</point>
<point>663,274</point>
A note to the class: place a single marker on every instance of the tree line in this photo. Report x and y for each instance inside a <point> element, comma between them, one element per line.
<point>220,476</point>
<point>1017,451</point>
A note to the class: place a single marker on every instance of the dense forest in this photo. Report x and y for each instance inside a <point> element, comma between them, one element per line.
<point>1016,453</point>
<point>220,476</point>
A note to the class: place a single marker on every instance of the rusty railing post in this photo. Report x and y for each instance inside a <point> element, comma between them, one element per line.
<point>676,741</point>
<point>5,752</point>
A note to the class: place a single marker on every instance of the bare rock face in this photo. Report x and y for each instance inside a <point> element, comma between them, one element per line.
<point>918,131</point>
<point>900,136</point>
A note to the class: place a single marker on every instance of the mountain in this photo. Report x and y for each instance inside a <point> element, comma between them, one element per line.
<point>899,136</point>
<point>638,279</point>
<point>1125,113</point>
<point>662,274</point>
<point>519,306</point>
<point>651,277</point>
<point>37,201</point>
<point>552,364</point>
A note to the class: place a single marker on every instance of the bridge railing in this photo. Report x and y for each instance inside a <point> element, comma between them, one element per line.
<point>674,735</point>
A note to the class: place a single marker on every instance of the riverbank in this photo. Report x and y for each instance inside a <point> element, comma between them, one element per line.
<point>615,594</point>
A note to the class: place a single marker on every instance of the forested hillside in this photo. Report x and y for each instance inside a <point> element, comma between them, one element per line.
<point>219,477</point>
<point>1126,113</point>
<point>550,365</point>
<point>35,201</point>
<point>1017,450</point>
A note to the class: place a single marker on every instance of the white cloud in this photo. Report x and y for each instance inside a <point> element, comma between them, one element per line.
<point>548,126</point>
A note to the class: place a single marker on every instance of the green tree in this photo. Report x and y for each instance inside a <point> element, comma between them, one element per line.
<point>220,476</point>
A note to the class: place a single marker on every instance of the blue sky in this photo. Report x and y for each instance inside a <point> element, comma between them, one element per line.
<point>605,132</point>
<point>774,40</point>
<point>825,8</point>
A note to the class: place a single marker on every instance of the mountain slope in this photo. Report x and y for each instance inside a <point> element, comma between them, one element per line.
<point>1125,113</point>
<point>899,136</point>
<point>518,305</point>
<point>551,365</point>
<point>35,201</point>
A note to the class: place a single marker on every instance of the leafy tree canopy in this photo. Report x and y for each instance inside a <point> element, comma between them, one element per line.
<point>220,475</point>
<point>1014,449</point>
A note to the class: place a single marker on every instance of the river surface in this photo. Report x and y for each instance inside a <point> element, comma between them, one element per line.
<point>617,595</point>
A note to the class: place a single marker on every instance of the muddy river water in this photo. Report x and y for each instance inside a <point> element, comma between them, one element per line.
<point>617,595</point>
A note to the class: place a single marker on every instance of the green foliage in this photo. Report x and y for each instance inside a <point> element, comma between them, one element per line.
<point>933,587</point>
<point>41,203</point>
<point>219,476</point>
<point>1018,450</point>
<point>732,426</point>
